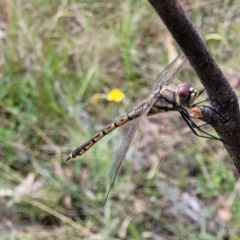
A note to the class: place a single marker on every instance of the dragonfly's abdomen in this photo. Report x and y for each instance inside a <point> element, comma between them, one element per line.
<point>87,145</point>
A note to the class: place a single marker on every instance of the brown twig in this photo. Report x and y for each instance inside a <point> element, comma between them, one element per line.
<point>223,113</point>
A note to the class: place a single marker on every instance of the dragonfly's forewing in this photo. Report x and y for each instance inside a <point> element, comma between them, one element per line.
<point>126,141</point>
<point>164,78</point>
<point>170,72</point>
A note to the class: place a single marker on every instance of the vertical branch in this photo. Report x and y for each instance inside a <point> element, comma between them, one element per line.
<point>224,110</point>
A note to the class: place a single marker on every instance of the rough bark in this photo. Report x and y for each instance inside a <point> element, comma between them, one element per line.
<point>223,111</point>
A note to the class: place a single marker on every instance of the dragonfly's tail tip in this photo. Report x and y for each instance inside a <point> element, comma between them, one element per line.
<point>69,157</point>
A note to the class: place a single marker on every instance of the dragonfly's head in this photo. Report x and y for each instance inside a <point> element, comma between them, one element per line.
<point>186,94</point>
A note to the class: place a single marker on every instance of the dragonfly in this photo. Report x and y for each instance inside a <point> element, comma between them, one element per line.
<point>163,99</point>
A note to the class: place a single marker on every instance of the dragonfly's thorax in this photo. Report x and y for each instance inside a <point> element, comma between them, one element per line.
<point>171,100</point>
<point>167,101</point>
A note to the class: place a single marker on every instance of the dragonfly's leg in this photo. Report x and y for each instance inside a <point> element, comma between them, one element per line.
<point>197,104</point>
<point>194,127</point>
<point>205,124</point>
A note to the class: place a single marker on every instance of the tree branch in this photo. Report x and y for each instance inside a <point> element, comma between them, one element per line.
<point>223,112</point>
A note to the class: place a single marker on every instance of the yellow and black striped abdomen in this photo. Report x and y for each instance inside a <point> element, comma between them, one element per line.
<point>87,145</point>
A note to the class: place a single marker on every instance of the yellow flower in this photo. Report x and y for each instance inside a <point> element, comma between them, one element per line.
<point>115,95</point>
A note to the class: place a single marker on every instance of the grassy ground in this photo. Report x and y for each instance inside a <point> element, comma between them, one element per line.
<point>56,58</point>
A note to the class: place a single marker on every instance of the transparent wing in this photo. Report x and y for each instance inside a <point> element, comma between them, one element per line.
<point>164,78</point>
<point>127,139</point>
<point>170,72</point>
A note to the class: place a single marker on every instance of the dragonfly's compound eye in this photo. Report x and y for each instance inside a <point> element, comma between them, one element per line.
<point>185,94</point>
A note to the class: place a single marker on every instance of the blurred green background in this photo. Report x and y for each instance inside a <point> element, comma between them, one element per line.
<point>58,61</point>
